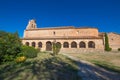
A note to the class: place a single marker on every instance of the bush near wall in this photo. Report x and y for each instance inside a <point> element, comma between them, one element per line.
<point>56,48</point>
<point>29,52</point>
<point>118,49</point>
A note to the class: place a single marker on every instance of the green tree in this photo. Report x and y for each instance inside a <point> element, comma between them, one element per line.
<point>56,48</point>
<point>10,46</point>
<point>107,48</point>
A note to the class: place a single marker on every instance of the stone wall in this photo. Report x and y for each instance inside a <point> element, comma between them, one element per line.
<point>89,38</point>
<point>33,32</point>
<point>36,33</point>
<point>114,40</point>
<point>98,44</point>
<point>69,34</point>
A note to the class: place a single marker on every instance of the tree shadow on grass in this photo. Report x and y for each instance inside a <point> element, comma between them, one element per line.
<point>53,68</point>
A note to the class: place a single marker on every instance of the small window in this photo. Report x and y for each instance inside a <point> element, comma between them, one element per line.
<point>112,39</point>
<point>32,26</point>
<point>54,33</point>
<point>77,32</point>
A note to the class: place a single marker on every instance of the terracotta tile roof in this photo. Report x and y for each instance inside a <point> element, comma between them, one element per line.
<point>66,37</point>
<point>101,34</point>
<point>114,33</point>
<point>63,27</point>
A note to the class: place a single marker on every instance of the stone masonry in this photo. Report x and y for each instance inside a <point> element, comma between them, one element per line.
<point>70,38</point>
<point>114,40</point>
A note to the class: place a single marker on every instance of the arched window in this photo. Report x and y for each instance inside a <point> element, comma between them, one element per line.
<point>91,44</point>
<point>33,44</point>
<point>73,45</point>
<point>40,44</point>
<point>66,45</point>
<point>27,43</point>
<point>82,45</point>
<point>59,44</point>
<point>48,46</point>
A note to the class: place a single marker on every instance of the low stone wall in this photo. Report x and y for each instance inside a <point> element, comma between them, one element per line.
<point>114,41</point>
<point>81,50</point>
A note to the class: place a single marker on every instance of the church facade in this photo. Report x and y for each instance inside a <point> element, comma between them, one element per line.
<point>70,38</point>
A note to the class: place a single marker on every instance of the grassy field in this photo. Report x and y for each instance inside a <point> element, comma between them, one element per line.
<point>107,60</point>
<point>44,67</point>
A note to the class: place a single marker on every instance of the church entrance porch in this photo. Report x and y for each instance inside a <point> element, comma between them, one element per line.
<point>48,46</point>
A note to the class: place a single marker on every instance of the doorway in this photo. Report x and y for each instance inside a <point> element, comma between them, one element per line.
<point>48,46</point>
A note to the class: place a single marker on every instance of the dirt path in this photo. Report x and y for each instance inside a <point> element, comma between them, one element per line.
<point>89,71</point>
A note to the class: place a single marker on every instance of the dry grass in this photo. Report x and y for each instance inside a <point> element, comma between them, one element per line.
<point>43,67</point>
<point>108,60</point>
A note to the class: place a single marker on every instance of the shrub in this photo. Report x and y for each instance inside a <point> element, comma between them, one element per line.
<point>29,52</point>
<point>10,46</point>
<point>56,48</point>
<point>118,49</point>
<point>20,59</point>
<point>109,49</point>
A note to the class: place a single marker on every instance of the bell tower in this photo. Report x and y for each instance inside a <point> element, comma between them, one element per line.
<point>31,24</point>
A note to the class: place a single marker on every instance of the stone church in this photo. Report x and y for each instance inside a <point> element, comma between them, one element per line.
<point>70,38</point>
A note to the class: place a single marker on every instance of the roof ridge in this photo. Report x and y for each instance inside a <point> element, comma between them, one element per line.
<point>59,27</point>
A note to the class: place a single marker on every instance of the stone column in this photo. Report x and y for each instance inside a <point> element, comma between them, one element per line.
<point>43,47</point>
<point>86,44</point>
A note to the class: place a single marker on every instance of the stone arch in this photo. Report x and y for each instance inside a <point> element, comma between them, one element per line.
<point>82,44</point>
<point>91,44</point>
<point>48,46</point>
<point>65,45</point>
<point>33,44</point>
<point>27,43</point>
<point>40,44</point>
<point>73,44</point>
<point>58,43</point>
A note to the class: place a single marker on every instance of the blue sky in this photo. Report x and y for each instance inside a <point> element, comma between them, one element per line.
<point>102,14</point>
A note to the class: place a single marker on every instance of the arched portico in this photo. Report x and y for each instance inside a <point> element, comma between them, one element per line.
<point>48,46</point>
<point>33,44</point>
<point>91,44</point>
<point>27,44</point>
<point>82,44</point>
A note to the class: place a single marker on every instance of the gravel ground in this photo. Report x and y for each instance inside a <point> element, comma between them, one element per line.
<point>89,71</point>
